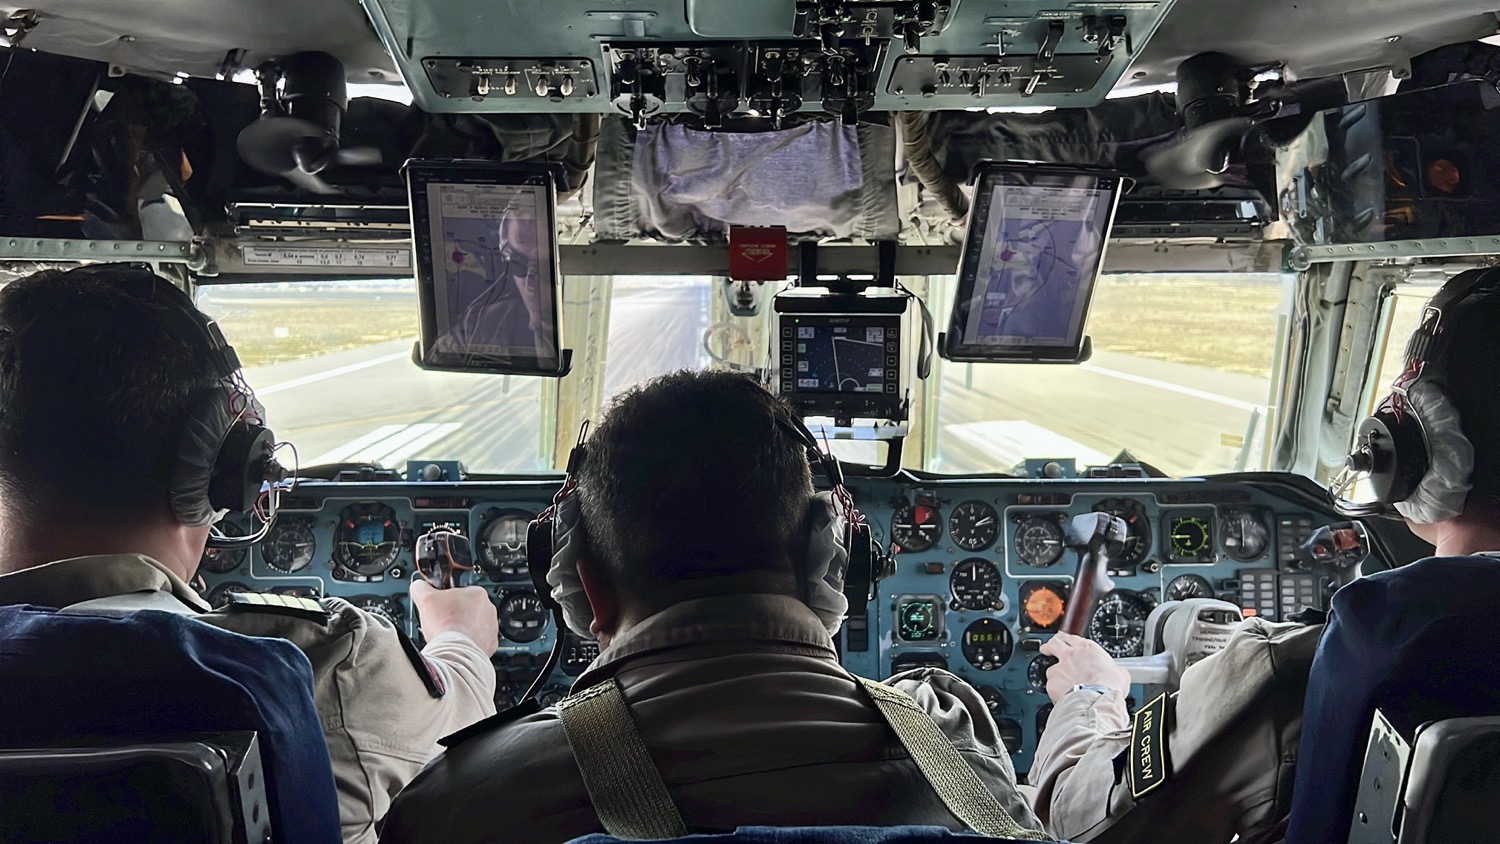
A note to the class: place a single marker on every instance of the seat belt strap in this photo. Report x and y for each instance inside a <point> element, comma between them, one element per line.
<point>622,779</point>
<point>950,777</point>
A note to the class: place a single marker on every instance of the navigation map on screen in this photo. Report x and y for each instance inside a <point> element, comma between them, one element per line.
<point>1041,250</point>
<point>841,358</point>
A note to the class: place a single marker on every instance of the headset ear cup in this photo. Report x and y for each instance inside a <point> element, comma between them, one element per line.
<point>240,468</point>
<point>208,425</point>
<point>1442,488</point>
<point>561,581</point>
<point>825,566</point>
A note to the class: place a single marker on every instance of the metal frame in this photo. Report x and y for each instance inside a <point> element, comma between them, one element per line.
<point>1303,257</point>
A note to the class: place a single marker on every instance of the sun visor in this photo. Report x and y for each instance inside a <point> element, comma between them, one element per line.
<point>817,179</point>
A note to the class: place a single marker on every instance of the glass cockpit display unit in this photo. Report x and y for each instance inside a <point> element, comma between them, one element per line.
<point>486,259</point>
<point>1033,250</point>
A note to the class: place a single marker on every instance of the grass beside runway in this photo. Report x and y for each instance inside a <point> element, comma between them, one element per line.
<point>1226,323</point>
<point>272,330</point>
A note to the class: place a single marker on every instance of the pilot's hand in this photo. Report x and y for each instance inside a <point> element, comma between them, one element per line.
<point>462,609</point>
<point>1081,660</point>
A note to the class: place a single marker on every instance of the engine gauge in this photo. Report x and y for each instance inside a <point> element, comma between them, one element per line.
<point>919,618</point>
<point>224,560</point>
<point>218,597</point>
<point>1042,606</point>
<point>368,539</point>
<point>975,584</point>
<point>1245,534</point>
<point>502,543</point>
<point>1190,539</point>
<point>987,644</point>
<point>522,617</point>
<point>1039,541</point>
<point>974,525</point>
<point>1010,733</point>
<point>1119,624</point>
<point>391,607</point>
<point>994,700</point>
<point>290,545</point>
<point>550,695</point>
<point>1137,532</point>
<point>916,527</point>
<point>1036,672</point>
<point>1189,586</point>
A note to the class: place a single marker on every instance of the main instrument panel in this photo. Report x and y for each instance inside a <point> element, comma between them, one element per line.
<point>978,574</point>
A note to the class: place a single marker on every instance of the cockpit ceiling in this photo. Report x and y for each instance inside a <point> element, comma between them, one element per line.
<point>195,37</point>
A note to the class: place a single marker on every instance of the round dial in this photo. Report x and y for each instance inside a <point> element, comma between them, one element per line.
<point>368,539</point>
<point>975,584</point>
<point>1244,534</point>
<point>290,545</point>
<point>1042,606</point>
<point>550,695</point>
<point>1189,586</point>
<point>974,525</point>
<point>1191,539</point>
<point>502,543</point>
<point>1137,530</point>
<point>1039,541</point>
<point>1119,624</point>
<point>223,560</point>
<point>1036,672</point>
<point>522,617</point>
<point>916,527</point>
<point>218,597</point>
<point>391,608</point>
<point>1010,733</point>
<point>918,620</point>
<point>987,644</point>
<point>994,700</point>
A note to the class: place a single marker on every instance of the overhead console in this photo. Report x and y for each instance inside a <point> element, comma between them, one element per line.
<point>771,58</point>
<point>977,576</point>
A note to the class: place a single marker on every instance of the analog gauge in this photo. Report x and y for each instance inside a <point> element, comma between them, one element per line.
<point>290,545</point>
<point>994,700</point>
<point>1010,733</point>
<point>224,560</point>
<point>1190,540</point>
<point>1039,541</point>
<point>502,543</point>
<point>1137,532</point>
<point>391,607</point>
<point>987,644</point>
<point>218,597</point>
<point>1119,624</point>
<point>1189,586</point>
<point>1244,534</point>
<point>1036,672</point>
<point>578,653</point>
<point>368,539</point>
<point>550,695</point>
<point>1042,606</point>
<point>974,525</point>
<point>916,527</point>
<point>522,617</point>
<point>919,619</point>
<point>975,584</point>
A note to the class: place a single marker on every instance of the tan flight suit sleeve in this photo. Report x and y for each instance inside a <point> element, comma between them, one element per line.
<point>1073,769</point>
<point>965,719</point>
<point>381,721</point>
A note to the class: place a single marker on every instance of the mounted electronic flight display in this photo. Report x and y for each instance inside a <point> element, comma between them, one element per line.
<point>841,356</point>
<point>487,270</point>
<point>1032,252</point>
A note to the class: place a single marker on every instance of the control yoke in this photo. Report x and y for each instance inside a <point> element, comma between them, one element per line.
<point>1179,634</point>
<point>1093,536</point>
<point>443,555</point>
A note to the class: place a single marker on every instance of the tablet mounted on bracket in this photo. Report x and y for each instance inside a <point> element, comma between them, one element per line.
<point>485,251</point>
<point>1032,252</point>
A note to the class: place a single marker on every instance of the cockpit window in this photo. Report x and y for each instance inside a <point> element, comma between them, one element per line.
<point>331,361</point>
<point>656,325</point>
<point>1181,378</point>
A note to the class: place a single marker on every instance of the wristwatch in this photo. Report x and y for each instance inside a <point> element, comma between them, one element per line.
<point>1091,687</point>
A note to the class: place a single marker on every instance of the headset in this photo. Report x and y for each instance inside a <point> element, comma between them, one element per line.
<point>1412,450</point>
<point>226,456</point>
<point>839,584</point>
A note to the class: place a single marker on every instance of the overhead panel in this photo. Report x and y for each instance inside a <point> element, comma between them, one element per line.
<point>767,58</point>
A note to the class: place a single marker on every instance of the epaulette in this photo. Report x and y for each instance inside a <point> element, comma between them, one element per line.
<point>531,706</point>
<point>262,602</point>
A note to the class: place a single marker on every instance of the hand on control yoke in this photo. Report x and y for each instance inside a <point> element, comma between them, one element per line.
<point>1081,660</point>
<point>462,609</point>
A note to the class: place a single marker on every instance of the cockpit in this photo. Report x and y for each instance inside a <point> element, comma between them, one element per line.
<point>1091,304</point>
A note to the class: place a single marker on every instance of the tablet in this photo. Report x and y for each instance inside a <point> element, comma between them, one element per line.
<point>485,253</point>
<point>1032,252</point>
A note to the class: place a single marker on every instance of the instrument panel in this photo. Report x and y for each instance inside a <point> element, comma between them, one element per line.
<point>978,574</point>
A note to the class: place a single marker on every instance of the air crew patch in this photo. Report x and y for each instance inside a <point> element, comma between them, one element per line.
<point>304,608</point>
<point>1150,761</point>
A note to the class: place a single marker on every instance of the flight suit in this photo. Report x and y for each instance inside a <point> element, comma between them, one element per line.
<point>380,718</point>
<point>1230,736</point>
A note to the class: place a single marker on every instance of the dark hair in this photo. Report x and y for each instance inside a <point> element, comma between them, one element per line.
<point>96,383</point>
<point>1469,371</point>
<point>691,476</point>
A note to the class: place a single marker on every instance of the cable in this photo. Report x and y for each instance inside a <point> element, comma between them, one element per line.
<point>924,359</point>
<point>553,658</point>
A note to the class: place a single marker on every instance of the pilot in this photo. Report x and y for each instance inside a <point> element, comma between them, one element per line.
<point>498,309</point>
<point>1417,642</point>
<point>97,378</point>
<point>712,610</point>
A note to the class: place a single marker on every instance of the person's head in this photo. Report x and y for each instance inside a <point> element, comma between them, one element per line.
<point>96,386</point>
<point>692,487</point>
<point>520,236</point>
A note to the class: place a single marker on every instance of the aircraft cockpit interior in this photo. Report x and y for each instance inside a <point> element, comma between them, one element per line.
<point>1093,304</point>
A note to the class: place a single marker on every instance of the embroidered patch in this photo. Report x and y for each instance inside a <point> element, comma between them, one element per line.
<point>1150,761</point>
